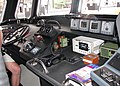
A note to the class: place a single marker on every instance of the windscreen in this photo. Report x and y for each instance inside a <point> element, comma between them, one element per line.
<point>24,8</point>
<point>108,7</point>
<point>53,7</point>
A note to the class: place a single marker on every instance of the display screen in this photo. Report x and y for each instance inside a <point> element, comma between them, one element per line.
<point>94,26</point>
<point>115,62</point>
<point>83,46</point>
<point>83,24</point>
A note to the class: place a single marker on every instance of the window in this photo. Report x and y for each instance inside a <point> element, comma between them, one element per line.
<point>53,7</point>
<point>109,7</point>
<point>2,9</point>
<point>23,9</point>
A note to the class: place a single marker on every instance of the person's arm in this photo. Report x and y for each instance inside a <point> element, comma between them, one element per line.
<point>1,36</point>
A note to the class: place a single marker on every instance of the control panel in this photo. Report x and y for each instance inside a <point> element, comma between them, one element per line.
<point>109,76</point>
<point>109,73</point>
<point>101,26</point>
<point>86,45</point>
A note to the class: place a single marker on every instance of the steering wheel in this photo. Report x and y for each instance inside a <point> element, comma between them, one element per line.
<point>13,35</point>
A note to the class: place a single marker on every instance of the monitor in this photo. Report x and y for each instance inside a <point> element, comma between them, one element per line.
<point>95,26</point>
<point>84,25</point>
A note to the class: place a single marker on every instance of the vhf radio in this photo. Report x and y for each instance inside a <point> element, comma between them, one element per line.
<point>108,49</point>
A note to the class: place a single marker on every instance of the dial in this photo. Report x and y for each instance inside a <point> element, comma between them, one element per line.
<point>107,27</point>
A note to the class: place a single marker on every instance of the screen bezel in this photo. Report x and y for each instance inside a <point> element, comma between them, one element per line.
<point>81,47</point>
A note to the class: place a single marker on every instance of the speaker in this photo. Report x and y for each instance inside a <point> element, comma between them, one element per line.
<point>108,49</point>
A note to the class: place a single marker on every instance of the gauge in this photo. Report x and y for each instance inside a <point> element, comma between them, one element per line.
<point>41,22</point>
<point>107,27</point>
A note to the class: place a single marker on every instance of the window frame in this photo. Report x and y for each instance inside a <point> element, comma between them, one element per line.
<point>17,8</point>
<point>3,11</point>
<point>52,12</point>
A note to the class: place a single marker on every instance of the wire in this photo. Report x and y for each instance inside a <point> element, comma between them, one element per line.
<point>74,80</point>
<point>52,50</point>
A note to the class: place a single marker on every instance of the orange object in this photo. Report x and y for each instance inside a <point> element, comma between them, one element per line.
<point>91,59</point>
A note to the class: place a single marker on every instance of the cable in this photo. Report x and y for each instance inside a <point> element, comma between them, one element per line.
<point>52,50</point>
<point>72,79</point>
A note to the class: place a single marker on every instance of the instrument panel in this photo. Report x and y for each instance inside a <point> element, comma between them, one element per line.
<point>94,26</point>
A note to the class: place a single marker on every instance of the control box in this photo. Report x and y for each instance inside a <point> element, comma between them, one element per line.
<point>91,58</point>
<point>108,49</point>
<point>109,73</point>
<point>86,45</point>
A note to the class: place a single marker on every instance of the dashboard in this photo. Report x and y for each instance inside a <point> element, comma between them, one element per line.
<point>47,45</point>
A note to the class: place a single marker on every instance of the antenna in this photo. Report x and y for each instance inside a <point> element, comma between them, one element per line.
<point>118,26</point>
